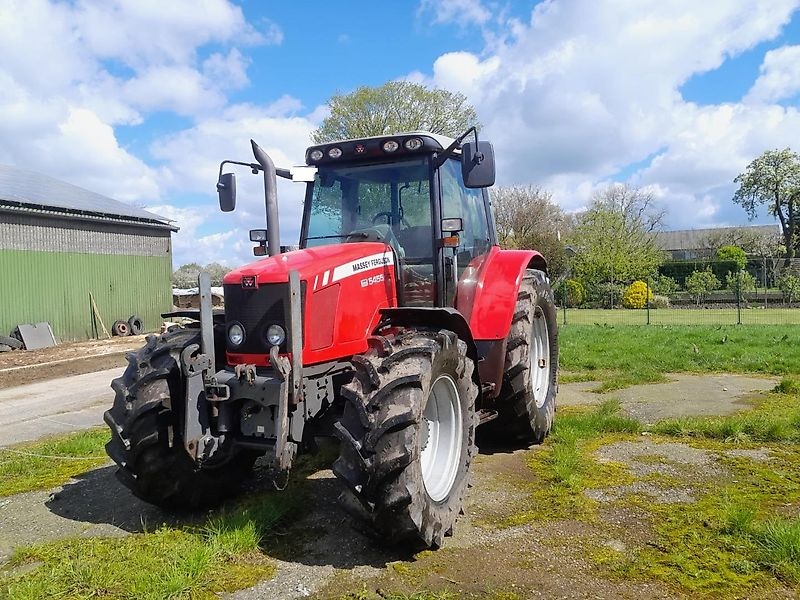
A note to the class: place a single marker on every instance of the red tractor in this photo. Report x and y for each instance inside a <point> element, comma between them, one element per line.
<point>399,326</point>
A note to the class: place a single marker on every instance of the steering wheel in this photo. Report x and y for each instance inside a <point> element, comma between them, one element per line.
<point>388,216</point>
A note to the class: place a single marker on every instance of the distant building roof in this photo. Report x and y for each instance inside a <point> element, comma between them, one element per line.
<point>26,191</point>
<point>697,239</point>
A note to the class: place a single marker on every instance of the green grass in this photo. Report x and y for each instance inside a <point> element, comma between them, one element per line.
<point>195,561</point>
<point>55,461</point>
<point>620,356</point>
<point>682,316</point>
<point>564,467</point>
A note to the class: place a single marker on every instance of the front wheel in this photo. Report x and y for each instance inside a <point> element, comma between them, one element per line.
<point>408,435</point>
<point>146,429</point>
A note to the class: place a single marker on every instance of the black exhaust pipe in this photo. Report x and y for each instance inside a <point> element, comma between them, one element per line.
<point>271,197</point>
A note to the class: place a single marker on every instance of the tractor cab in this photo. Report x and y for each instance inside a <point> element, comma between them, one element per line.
<point>407,191</point>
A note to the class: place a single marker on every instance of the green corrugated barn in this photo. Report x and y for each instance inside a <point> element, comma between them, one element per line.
<point>59,243</point>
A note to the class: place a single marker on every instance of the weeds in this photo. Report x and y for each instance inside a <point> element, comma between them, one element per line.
<point>777,419</point>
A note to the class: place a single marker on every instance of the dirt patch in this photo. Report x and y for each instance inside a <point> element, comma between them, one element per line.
<point>685,395</point>
<point>75,358</point>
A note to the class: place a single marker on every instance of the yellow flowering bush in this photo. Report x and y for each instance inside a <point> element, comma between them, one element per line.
<point>636,295</point>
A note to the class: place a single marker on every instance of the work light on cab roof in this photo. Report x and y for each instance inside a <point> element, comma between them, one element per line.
<point>397,327</point>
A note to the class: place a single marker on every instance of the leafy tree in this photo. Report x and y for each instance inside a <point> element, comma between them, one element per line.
<point>527,217</point>
<point>185,276</point>
<point>393,107</point>
<point>733,254</point>
<point>741,280</point>
<point>774,179</point>
<point>701,283</point>
<point>789,284</point>
<point>576,293</point>
<point>664,285</point>
<point>615,238</point>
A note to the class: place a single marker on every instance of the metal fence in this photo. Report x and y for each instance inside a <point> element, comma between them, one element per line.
<point>700,292</point>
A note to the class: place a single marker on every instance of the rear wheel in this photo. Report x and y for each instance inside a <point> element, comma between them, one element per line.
<point>408,435</point>
<point>528,398</point>
<point>146,430</point>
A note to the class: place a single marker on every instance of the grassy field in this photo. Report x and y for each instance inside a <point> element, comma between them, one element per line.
<point>624,355</point>
<point>678,316</point>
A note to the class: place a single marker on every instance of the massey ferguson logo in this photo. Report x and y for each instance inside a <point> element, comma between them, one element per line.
<point>249,282</point>
<point>371,263</point>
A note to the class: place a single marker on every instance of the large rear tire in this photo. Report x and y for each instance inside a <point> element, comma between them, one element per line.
<point>528,397</point>
<point>146,430</point>
<point>408,435</point>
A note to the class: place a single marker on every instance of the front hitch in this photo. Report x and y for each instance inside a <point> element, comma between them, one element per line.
<point>210,393</point>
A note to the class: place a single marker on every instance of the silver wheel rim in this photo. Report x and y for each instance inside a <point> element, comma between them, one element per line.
<point>441,438</point>
<point>540,358</point>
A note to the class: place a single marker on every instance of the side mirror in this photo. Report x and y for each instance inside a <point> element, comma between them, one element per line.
<point>226,188</point>
<point>477,164</point>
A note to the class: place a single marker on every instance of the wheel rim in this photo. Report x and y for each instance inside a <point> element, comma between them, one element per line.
<point>540,358</point>
<point>441,438</point>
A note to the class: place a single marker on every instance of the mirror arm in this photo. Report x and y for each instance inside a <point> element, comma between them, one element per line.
<point>448,152</point>
<point>254,167</point>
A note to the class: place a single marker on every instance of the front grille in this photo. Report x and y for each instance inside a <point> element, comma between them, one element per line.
<point>257,309</point>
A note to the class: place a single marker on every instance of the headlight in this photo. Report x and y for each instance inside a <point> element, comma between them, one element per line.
<point>413,144</point>
<point>275,335</point>
<point>335,152</point>
<point>390,146</point>
<point>236,334</point>
<point>316,155</point>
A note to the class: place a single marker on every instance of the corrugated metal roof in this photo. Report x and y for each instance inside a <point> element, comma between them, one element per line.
<point>696,239</point>
<point>26,189</point>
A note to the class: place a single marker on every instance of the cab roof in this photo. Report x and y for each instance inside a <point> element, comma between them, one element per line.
<point>370,148</point>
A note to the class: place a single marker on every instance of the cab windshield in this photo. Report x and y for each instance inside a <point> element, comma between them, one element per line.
<point>384,202</point>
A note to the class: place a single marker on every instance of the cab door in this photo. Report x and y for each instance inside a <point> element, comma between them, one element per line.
<point>460,264</point>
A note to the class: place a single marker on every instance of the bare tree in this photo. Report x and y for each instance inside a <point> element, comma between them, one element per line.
<point>527,217</point>
<point>635,204</point>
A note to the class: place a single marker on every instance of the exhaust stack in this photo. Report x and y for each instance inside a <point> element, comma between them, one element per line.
<point>271,198</point>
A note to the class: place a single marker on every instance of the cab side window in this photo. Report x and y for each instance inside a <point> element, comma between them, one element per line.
<point>460,201</point>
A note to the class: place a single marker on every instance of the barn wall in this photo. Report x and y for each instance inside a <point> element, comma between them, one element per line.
<point>49,266</point>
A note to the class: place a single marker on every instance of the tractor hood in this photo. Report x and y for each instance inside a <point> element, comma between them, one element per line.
<point>327,264</point>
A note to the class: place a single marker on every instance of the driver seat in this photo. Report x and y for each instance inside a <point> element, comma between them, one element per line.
<point>417,242</point>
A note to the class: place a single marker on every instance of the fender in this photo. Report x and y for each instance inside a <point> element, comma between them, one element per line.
<point>488,294</point>
<point>436,318</point>
<point>488,298</point>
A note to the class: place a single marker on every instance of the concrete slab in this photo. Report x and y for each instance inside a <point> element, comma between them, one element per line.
<point>684,395</point>
<point>63,405</point>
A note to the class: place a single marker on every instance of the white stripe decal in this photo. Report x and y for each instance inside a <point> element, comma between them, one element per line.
<point>325,278</point>
<point>360,265</point>
<point>316,278</point>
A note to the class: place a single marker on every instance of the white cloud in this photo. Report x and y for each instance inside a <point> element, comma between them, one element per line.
<point>462,12</point>
<point>71,72</point>
<point>585,88</point>
<point>272,33</point>
<point>779,77</point>
<point>191,161</point>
